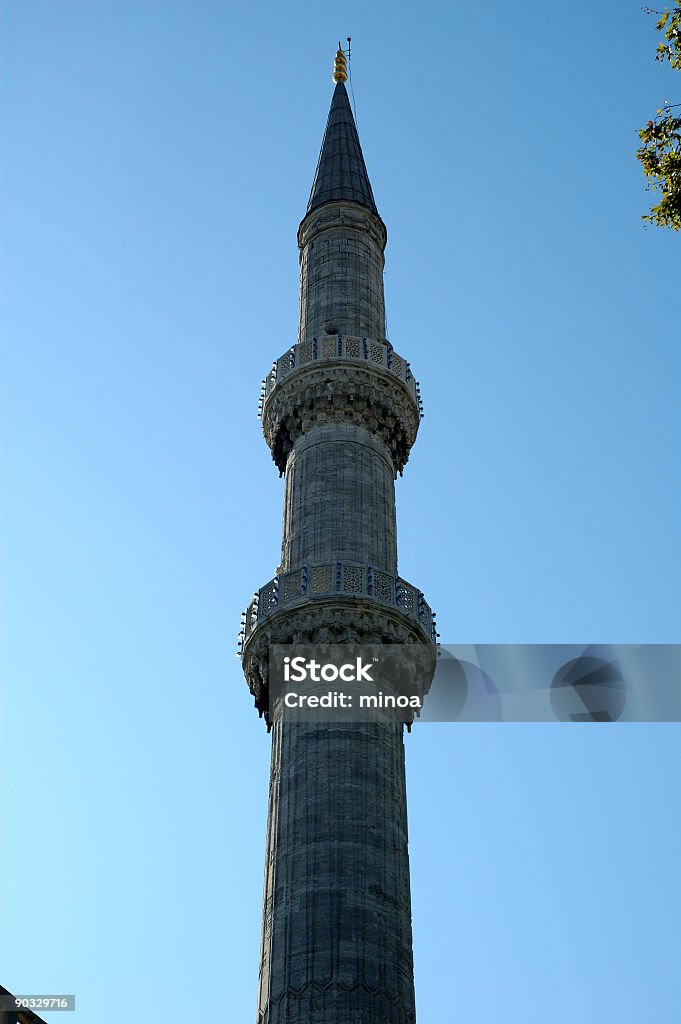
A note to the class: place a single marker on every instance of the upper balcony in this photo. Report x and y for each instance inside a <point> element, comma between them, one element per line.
<point>341,349</point>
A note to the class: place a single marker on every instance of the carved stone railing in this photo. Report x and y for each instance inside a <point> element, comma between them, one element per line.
<point>344,349</point>
<point>347,579</point>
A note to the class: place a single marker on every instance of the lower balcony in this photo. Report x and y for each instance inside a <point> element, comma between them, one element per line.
<point>347,579</point>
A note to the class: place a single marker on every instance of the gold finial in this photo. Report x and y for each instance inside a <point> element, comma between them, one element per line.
<point>340,68</point>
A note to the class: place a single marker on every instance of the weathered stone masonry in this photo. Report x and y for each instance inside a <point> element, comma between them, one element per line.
<point>340,413</point>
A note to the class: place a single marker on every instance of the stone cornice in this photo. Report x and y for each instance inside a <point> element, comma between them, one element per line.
<point>345,214</point>
<point>334,393</point>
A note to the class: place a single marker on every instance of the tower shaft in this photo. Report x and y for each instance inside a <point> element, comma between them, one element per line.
<point>336,943</point>
<point>341,273</point>
<point>340,500</point>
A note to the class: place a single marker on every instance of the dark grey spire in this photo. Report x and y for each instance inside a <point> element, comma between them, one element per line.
<point>341,171</point>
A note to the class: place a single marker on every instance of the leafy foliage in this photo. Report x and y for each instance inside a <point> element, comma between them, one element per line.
<point>660,156</point>
<point>670,24</point>
<point>660,152</point>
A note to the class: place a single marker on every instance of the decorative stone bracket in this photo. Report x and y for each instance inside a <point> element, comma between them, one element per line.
<point>335,618</point>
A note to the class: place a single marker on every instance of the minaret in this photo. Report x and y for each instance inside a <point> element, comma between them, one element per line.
<point>340,411</point>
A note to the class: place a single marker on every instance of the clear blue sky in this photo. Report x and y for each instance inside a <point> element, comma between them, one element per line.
<point>156,160</point>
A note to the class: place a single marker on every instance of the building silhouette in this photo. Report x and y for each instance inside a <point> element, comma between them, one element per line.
<point>340,412</point>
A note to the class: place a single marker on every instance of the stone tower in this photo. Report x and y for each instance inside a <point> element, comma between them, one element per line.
<point>340,411</point>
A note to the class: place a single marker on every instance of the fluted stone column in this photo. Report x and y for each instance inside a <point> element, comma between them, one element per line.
<point>337,937</point>
<point>340,413</point>
<point>340,499</point>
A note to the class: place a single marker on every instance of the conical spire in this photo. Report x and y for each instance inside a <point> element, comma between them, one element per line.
<point>341,171</point>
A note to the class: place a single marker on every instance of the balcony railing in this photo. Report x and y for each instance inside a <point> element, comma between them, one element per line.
<point>344,348</point>
<point>342,578</point>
